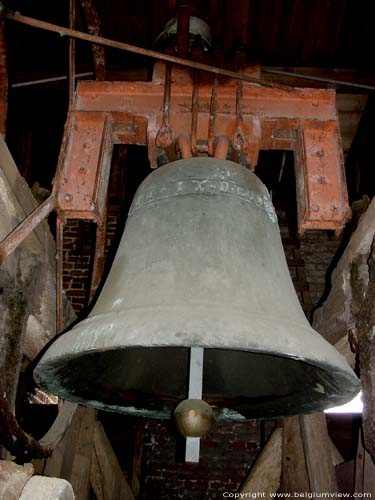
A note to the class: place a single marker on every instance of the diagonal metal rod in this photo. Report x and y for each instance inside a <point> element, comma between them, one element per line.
<point>317,78</point>
<point>36,23</point>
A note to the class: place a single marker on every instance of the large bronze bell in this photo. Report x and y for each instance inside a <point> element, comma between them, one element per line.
<point>200,264</point>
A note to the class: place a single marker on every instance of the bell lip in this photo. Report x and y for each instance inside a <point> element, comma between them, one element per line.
<point>90,336</point>
<point>43,375</point>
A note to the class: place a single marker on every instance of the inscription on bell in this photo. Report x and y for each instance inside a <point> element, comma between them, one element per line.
<point>210,186</point>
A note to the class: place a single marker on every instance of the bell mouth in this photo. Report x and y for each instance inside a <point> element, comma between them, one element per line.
<point>152,381</point>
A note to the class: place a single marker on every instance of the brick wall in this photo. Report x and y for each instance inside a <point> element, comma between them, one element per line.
<point>228,453</point>
<point>79,238</point>
<point>318,249</point>
<point>226,456</point>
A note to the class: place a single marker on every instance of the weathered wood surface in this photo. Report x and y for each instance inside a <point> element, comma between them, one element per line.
<point>13,478</point>
<point>317,449</point>
<point>265,473</point>
<point>107,478</point>
<point>62,422</point>
<point>47,488</point>
<point>336,456</point>
<point>71,460</point>
<point>294,477</point>
<point>364,470</point>
<point>335,317</point>
<point>34,260</point>
<point>27,318</point>
<point>364,309</point>
<point>350,307</point>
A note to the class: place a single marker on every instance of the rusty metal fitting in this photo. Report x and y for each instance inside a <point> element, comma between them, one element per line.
<point>239,139</point>
<point>164,137</point>
<point>222,148</point>
<point>184,146</point>
<point>353,340</point>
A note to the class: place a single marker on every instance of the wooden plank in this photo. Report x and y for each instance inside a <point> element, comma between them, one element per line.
<point>265,473</point>
<point>317,447</point>
<point>294,476</point>
<point>107,479</point>
<point>334,318</point>
<point>23,200</point>
<point>60,426</point>
<point>71,460</point>
<point>359,466</point>
<point>364,479</point>
<point>336,456</point>
<point>351,103</point>
<point>16,202</point>
<point>77,457</point>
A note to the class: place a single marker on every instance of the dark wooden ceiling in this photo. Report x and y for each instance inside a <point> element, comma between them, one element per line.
<point>321,33</point>
<point>333,37</point>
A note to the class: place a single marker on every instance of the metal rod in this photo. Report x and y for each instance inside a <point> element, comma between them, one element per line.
<point>4,83</point>
<point>72,47</point>
<point>48,80</point>
<point>36,23</point>
<point>212,118</point>
<point>318,78</point>
<point>59,274</point>
<point>222,148</point>
<point>239,139</point>
<point>164,137</point>
<point>22,231</point>
<point>184,146</point>
<point>195,392</point>
<point>99,254</point>
<point>194,112</point>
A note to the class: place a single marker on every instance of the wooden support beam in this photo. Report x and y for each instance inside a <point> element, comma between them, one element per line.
<point>358,164</point>
<point>350,308</point>
<point>336,456</point>
<point>335,317</point>
<point>107,479</point>
<point>364,481</point>
<point>363,307</point>
<point>265,473</point>
<point>294,477</point>
<point>317,448</point>
<point>71,460</point>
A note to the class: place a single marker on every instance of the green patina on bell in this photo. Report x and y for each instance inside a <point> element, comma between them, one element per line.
<point>200,264</point>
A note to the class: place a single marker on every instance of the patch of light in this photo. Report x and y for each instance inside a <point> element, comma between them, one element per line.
<point>354,406</point>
